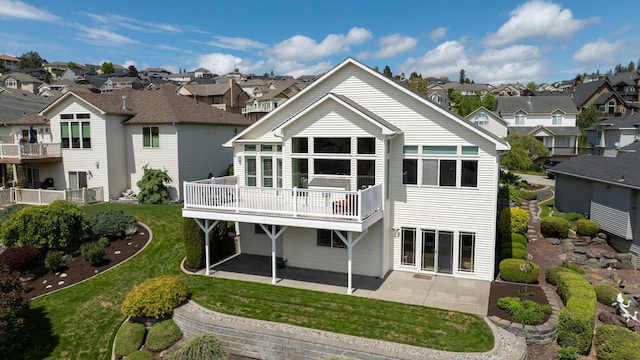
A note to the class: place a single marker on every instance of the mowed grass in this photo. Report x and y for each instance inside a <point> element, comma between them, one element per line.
<point>80,322</point>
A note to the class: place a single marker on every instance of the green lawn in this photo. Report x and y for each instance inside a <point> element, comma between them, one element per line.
<point>80,322</point>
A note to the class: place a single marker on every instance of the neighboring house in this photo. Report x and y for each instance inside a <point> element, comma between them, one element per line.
<point>607,190</point>
<point>550,119</point>
<point>358,174</point>
<point>118,83</point>
<point>20,81</point>
<point>508,90</point>
<point>9,63</point>
<point>154,73</point>
<point>15,107</point>
<point>608,136</point>
<point>440,97</point>
<point>627,84</point>
<point>489,121</point>
<point>602,95</point>
<point>277,93</point>
<point>227,97</point>
<point>106,139</point>
<point>74,74</point>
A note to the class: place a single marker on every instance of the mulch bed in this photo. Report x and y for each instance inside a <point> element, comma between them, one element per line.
<point>78,269</point>
<point>504,289</point>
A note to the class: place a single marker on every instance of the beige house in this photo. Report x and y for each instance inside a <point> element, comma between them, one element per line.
<point>227,97</point>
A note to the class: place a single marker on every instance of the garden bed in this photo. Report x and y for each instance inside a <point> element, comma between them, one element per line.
<point>504,289</point>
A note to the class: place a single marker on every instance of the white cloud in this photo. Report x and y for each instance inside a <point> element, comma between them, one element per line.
<point>303,48</point>
<point>219,63</point>
<point>439,33</point>
<point>134,24</point>
<point>445,60</point>
<point>104,37</point>
<point>515,53</point>
<point>536,20</point>
<point>167,47</point>
<point>20,10</point>
<point>128,63</point>
<point>599,52</point>
<point>393,45</point>
<point>236,43</point>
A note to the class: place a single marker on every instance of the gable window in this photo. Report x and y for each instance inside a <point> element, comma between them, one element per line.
<point>556,119</point>
<point>332,167</point>
<point>520,119</point>
<point>250,147</point>
<point>150,136</point>
<point>366,173</point>
<point>481,119</point>
<point>366,145</point>
<point>300,145</point>
<point>75,134</point>
<point>329,238</point>
<point>447,173</point>
<point>332,145</point>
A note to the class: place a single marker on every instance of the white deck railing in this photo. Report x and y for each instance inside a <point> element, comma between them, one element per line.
<point>224,194</point>
<point>45,197</point>
<point>259,107</point>
<point>30,150</point>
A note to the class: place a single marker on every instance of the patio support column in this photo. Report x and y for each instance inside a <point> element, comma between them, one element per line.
<point>206,227</point>
<point>270,230</point>
<point>350,242</point>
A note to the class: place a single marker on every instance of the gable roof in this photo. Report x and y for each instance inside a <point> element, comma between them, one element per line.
<point>15,106</point>
<point>490,113</point>
<point>583,92</point>
<point>155,106</point>
<point>535,104</point>
<point>22,77</point>
<point>621,171</point>
<point>553,130</point>
<point>500,143</point>
<point>621,122</point>
<point>207,89</point>
<point>387,128</point>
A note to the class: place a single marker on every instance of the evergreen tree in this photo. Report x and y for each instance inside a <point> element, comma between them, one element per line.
<point>30,59</point>
<point>107,68</point>
<point>462,76</point>
<point>387,71</point>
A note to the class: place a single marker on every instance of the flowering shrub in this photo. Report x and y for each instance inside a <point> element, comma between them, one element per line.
<point>156,297</point>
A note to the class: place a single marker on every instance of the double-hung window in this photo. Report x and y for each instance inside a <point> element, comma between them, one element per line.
<point>150,137</point>
<point>74,132</point>
<point>520,119</point>
<point>556,119</point>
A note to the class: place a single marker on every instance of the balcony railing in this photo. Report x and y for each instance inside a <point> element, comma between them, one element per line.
<point>224,194</point>
<point>25,151</point>
<point>44,197</point>
<point>259,107</point>
<point>563,150</point>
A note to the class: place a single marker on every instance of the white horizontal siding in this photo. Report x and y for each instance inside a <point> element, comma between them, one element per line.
<point>258,244</point>
<point>611,209</point>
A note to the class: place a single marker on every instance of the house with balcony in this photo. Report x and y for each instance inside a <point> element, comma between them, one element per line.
<point>104,140</point>
<point>269,97</point>
<point>357,174</point>
<point>608,136</point>
<point>627,84</point>
<point>550,119</point>
<point>601,95</point>
<point>9,63</point>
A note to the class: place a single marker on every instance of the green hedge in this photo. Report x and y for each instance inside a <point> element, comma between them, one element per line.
<point>129,338</point>
<point>162,335</point>
<point>156,297</point>
<point>528,195</point>
<point>571,217</point>
<point>510,271</point>
<point>616,342</point>
<point>552,274</point>
<point>554,226</point>
<point>586,227</point>
<point>193,243</point>
<point>577,318</point>
<point>512,253</point>
<point>517,238</point>
<point>513,220</point>
<point>140,355</point>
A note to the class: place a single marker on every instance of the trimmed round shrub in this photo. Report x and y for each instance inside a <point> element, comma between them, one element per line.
<point>513,220</point>
<point>129,339</point>
<point>18,258</point>
<point>553,273</point>
<point>103,241</point>
<point>193,243</point>
<point>510,270</point>
<point>516,238</point>
<point>572,216</point>
<point>512,253</point>
<point>201,347</point>
<point>606,294</point>
<point>586,227</point>
<point>156,297</point>
<point>553,226</point>
<point>616,342</point>
<point>92,252</point>
<point>140,355</point>
<point>53,260</point>
<point>111,223</point>
<point>162,335</point>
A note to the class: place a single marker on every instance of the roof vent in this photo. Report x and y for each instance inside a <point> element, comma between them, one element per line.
<point>124,102</point>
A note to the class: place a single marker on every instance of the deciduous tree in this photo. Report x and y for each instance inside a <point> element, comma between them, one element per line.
<point>107,68</point>
<point>525,150</point>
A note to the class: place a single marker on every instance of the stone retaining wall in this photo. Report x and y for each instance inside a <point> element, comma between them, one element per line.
<point>267,340</point>
<point>535,334</point>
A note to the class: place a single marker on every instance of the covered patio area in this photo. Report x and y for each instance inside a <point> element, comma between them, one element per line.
<point>465,295</point>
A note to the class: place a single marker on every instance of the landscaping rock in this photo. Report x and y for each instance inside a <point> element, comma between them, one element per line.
<point>615,277</point>
<point>593,263</point>
<point>597,241</point>
<point>594,254</point>
<point>602,235</point>
<point>623,257</point>
<point>627,265</point>
<point>579,258</point>
<point>567,246</point>
<point>554,241</point>
<point>580,243</point>
<point>581,250</point>
<point>606,263</point>
<point>608,318</point>
<point>609,255</point>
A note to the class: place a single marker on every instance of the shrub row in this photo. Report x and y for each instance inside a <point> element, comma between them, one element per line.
<point>512,270</point>
<point>156,297</point>
<point>513,220</point>
<point>577,318</point>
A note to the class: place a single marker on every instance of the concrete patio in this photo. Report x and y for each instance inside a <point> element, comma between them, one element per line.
<point>442,292</point>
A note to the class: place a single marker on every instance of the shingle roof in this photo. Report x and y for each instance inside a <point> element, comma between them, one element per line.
<point>15,106</point>
<point>207,89</point>
<point>621,122</point>
<point>622,170</point>
<point>161,105</point>
<point>627,78</point>
<point>20,77</point>
<point>582,92</point>
<point>555,130</point>
<point>535,104</point>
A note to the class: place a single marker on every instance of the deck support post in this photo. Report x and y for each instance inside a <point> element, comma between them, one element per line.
<point>350,242</point>
<point>206,227</point>
<point>270,230</point>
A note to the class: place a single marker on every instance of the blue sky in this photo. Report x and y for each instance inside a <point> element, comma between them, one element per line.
<point>494,41</point>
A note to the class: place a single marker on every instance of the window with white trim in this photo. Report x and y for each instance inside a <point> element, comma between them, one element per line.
<point>150,136</point>
<point>466,251</point>
<point>557,119</point>
<point>520,119</point>
<point>329,238</point>
<point>481,119</point>
<point>250,167</point>
<point>75,134</point>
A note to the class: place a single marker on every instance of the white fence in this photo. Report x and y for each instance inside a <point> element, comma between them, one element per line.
<point>45,197</point>
<point>226,195</point>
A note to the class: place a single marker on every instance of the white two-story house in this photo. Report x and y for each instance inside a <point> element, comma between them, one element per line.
<point>550,119</point>
<point>358,174</point>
